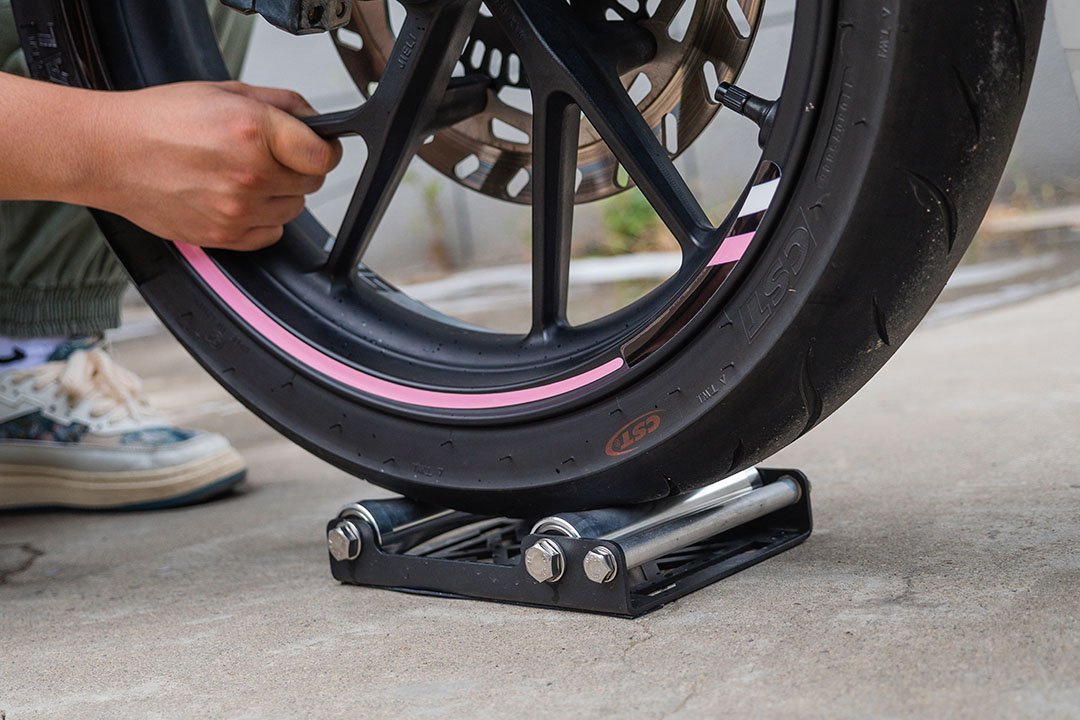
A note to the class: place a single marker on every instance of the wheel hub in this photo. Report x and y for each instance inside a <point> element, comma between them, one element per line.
<point>697,45</point>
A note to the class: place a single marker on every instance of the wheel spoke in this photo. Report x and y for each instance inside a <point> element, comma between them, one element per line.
<point>464,98</point>
<point>400,114</point>
<point>556,122</point>
<point>562,57</point>
<point>341,123</point>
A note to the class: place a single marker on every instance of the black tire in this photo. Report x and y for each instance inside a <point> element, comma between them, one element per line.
<point>917,116</point>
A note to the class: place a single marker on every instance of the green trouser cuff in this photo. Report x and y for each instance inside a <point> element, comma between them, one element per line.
<point>54,312</point>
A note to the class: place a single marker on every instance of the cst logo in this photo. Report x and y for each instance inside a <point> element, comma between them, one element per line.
<point>778,285</point>
<point>629,436</point>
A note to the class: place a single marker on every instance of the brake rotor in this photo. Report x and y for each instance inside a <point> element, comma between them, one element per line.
<point>699,43</point>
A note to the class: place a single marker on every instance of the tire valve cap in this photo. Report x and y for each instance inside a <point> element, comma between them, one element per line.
<point>762,112</point>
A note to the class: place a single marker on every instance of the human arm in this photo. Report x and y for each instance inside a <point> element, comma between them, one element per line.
<point>213,164</point>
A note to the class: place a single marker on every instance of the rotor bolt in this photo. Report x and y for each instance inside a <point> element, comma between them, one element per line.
<point>600,565</point>
<point>545,562</point>
<point>344,541</point>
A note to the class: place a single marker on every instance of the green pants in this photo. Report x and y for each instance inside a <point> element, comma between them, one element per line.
<point>57,275</point>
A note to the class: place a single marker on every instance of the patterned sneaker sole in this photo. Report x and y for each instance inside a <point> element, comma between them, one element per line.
<point>24,487</point>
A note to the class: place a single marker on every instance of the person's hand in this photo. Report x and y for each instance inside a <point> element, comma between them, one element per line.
<point>222,165</point>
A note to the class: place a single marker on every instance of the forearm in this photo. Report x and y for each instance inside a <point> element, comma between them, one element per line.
<point>215,164</point>
<point>54,141</point>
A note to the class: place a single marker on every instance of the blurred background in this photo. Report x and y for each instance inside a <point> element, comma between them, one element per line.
<point>466,254</point>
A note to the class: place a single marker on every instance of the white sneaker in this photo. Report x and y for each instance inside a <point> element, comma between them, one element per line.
<point>77,434</point>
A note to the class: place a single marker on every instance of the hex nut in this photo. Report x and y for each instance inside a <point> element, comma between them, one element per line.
<point>544,561</point>
<point>600,565</point>
<point>344,541</point>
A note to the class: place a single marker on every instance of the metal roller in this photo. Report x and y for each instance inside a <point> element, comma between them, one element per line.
<point>616,523</point>
<point>399,521</point>
<point>655,542</point>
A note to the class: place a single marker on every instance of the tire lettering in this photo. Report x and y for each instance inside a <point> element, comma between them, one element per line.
<point>778,284</point>
<point>43,56</point>
<point>839,130</point>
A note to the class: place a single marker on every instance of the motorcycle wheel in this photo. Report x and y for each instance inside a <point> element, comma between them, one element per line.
<point>877,166</point>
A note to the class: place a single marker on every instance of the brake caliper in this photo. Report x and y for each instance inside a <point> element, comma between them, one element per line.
<point>299,17</point>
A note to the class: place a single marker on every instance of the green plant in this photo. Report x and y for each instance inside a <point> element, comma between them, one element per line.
<point>630,224</point>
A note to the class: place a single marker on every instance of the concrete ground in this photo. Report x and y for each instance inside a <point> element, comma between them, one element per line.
<point>942,580</point>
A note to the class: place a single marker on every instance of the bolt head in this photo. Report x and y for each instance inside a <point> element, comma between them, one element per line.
<point>544,561</point>
<point>344,541</point>
<point>600,565</point>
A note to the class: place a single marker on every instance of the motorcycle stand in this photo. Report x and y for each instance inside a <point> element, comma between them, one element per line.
<point>623,561</point>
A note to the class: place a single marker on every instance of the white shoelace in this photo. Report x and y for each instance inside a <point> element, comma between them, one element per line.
<point>91,375</point>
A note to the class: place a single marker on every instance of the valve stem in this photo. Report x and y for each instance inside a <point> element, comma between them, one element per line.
<point>762,112</point>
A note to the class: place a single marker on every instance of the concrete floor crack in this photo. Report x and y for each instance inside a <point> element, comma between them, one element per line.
<point>636,639</point>
<point>682,703</point>
<point>16,558</point>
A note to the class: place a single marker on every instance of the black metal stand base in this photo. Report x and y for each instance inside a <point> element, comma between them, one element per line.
<point>620,561</point>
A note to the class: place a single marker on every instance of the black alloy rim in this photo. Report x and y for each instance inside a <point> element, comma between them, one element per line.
<point>573,63</point>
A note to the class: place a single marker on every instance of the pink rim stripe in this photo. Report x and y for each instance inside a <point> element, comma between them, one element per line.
<point>262,323</point>
<point>732,249</point>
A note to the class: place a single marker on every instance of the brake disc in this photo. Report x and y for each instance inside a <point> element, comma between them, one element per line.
<point>699,43</point>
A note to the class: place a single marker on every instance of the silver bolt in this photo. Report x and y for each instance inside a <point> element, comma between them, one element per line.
<point>600,565</point>
<point>544,561</point>
<point>344,541</point>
